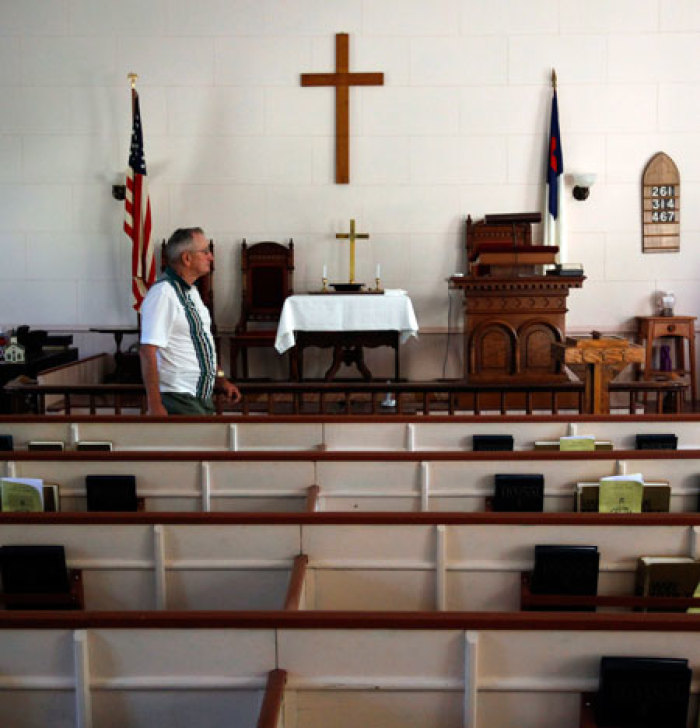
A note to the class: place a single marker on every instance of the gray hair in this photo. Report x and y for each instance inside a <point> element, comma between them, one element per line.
<point>179,242</point>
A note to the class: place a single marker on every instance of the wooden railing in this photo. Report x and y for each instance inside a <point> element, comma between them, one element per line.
<point>318,398</point>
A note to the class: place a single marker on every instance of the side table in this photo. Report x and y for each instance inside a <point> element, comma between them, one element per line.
<point>680,329</point>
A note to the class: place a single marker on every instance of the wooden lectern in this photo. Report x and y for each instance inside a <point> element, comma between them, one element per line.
<point>603,359</point>
<point>513,313</point>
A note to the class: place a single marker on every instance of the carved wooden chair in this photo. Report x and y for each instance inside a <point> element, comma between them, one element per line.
<point>267,278</point>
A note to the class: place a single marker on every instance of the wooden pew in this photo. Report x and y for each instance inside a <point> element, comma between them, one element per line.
<point>332,432</point>
<point>328,561</point>
<point>347,480</point>
<point>395,669</point>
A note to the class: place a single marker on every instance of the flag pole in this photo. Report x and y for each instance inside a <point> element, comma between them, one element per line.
<point>133,77</point>
<point>554,79</point>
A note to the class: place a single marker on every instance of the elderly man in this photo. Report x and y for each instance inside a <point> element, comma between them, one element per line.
<point>178,358</point>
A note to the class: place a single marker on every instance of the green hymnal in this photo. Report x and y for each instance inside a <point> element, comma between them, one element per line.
<point>656,497</point>
<point>621,494</point>
<point>576,443</point>
<point>22,494</point>
<point>557,445</point>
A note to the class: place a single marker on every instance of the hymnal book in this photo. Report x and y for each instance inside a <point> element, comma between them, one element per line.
<point>654,441</point>
<point>577,443</point>
<point>34,570</point>
<point>519,492</point>
<point>695,610</point>
<point>94,445</point>
<point>566,270</point>
<point>643,692</point>
<point>48,445</point>
<point>6,443</point>
<point>565,570</point>
<point>22,495</point>
<point>483,443</point>
<point>656,497</point>
<point>621,494</point>
<point>111,493</point>
<point>524,255</point>
<point>52,502</point>
<point>557,445</point>
<point>667,576</point>
<point>513,218</point>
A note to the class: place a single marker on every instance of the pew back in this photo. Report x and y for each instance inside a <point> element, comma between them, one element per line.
<point>391,432</point>
<point>210,669</point>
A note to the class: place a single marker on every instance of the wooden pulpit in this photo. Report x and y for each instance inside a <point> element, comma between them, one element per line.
<point>512,312</point>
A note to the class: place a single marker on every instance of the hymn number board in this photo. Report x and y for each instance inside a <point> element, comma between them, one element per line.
<point>661,206</point>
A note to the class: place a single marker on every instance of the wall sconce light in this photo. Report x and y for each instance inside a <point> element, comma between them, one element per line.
<point>119,187</point>
<point>582,184</point>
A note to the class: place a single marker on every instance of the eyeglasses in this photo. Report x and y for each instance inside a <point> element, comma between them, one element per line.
<point>206,251</point>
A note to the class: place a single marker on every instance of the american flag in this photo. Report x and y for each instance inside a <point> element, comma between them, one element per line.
<point>137,212</point>
<point>554,231</point>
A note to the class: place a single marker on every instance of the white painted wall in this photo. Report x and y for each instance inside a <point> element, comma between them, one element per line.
<point>235,144</point>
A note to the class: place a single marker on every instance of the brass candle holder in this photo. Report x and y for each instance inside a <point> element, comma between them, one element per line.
<point>378,284</point>
<point>324,280</point>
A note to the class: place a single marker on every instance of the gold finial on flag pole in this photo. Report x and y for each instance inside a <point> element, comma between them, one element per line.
<point>554,79</point>
<point>132,79</point>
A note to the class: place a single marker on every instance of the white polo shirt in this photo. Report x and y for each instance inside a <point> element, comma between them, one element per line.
<point>174,319</point>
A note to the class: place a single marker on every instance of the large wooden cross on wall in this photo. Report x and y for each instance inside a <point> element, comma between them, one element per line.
<point>342,79</point>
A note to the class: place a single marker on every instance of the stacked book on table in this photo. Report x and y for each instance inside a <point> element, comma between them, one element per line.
<point>502,259</point>
<point>501,246</point>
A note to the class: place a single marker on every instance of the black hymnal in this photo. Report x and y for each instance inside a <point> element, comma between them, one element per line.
<point>512,218</point>
<point>565,272</point>
<point>643,692</point>
<point>523,492</point>
<point>46,445</point>
<point>34,570</point>
<point>94,446</point>
<point>483,443</point>
<point>111,492</point>
<point>654,441</point>
<point>6,443</point>
<point>566,570</point>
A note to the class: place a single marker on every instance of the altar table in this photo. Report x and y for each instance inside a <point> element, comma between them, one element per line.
<point>347,323</point>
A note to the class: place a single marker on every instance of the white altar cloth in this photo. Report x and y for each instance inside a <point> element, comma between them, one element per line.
<point>356,312</point>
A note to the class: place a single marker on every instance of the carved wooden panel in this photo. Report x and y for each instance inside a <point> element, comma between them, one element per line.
<point>535,341</point>
<point>493,350</point>
<point>510,325</point>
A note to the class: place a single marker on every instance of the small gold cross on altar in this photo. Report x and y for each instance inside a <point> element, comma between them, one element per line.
<point>352,236</point>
